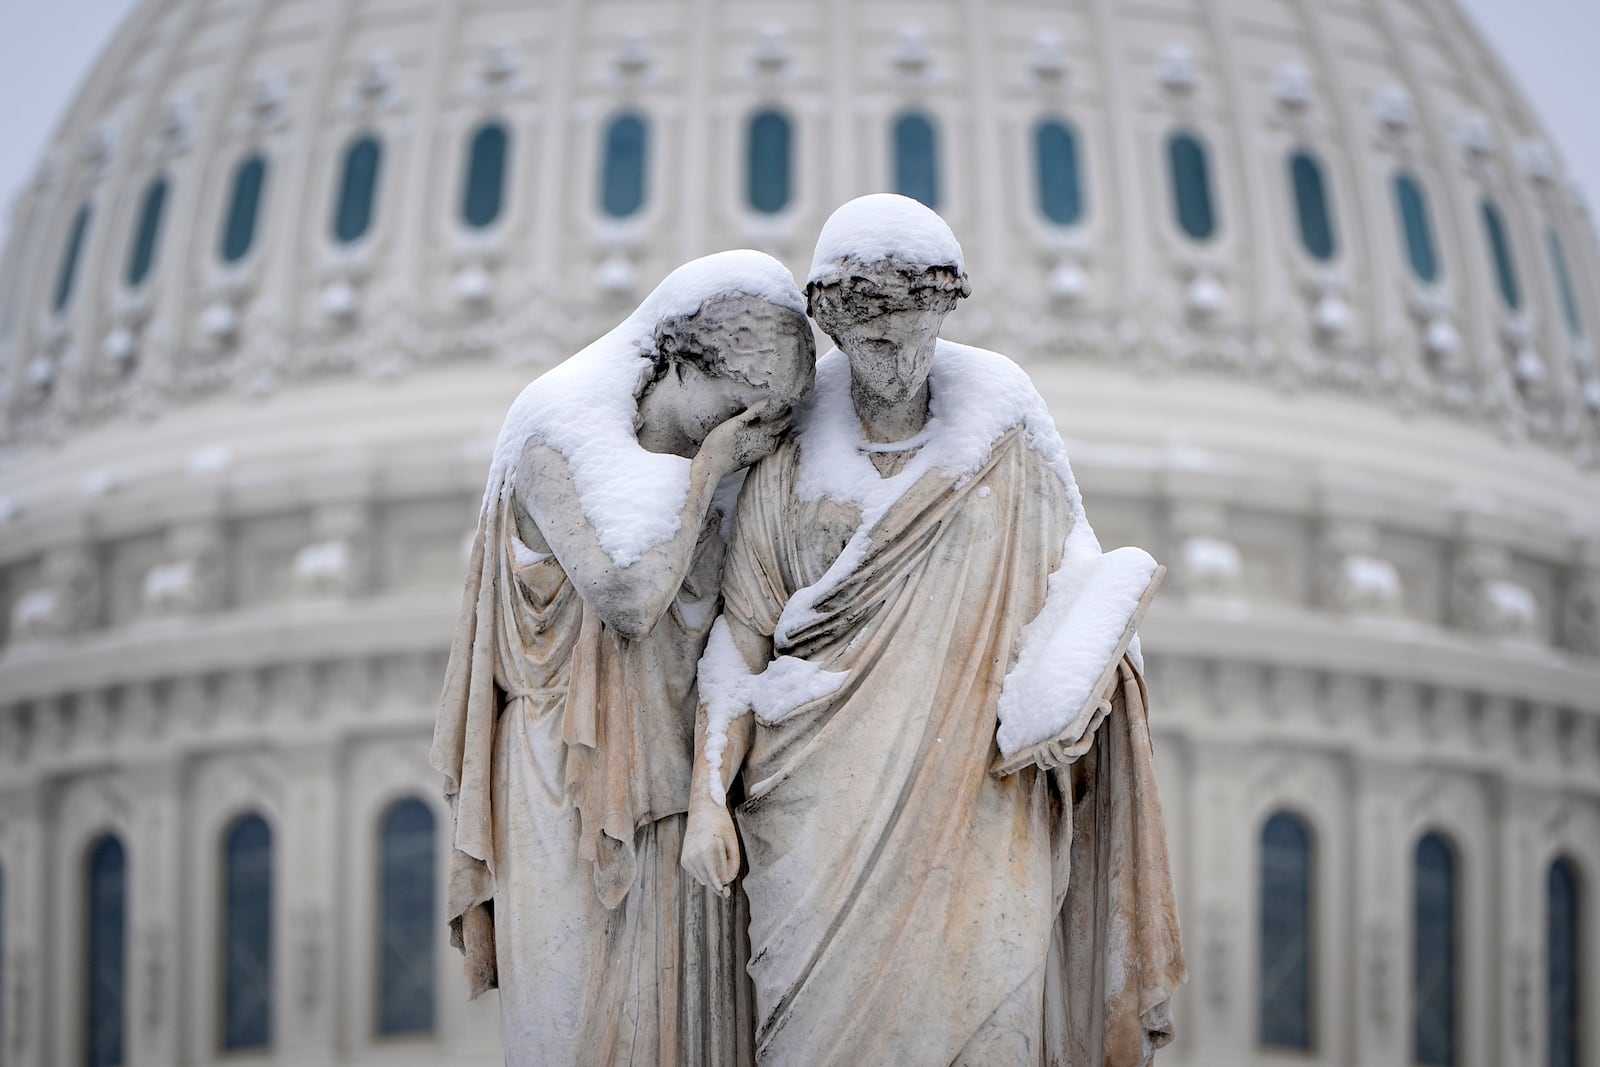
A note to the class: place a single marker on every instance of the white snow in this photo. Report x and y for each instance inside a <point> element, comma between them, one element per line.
<point>1371,580</point>
<point>882,226</point>
<point>169,584</point>
<point>323,562</point>
<point>1514,605</point>
<point>1211,561</point>
<point>729,690</point>
<point>975,396</point>
<point>34,607</point>
<point>1052,688</point>
<point>585,408</point>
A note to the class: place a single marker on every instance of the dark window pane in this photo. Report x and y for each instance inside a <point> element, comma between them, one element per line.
<point>1413,207</point>
<point>622,174</point>
<point>1191,186</point>
<point>143,253</point>
<point>239,224</point>
<point>247,935</point>
<point>358,189</point>
<point>1286,933</point>
<point>1563,989</point>
<point>407,923</point>
<point>1433,964</point>
<point>1056,156</point>
<point>1569,296</point>
<point>486,175</point>
<point>1505,269</point>
<point>108,916</point>
<point>1311,205</point>
<point>916,159</point>
<point>69,259</point>
<point>771,137</point>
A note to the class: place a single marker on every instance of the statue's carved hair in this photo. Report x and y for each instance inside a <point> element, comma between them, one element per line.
<point>684,339</point>
<point>880,287</point>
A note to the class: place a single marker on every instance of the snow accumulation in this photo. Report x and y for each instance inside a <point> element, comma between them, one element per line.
<point>974,397</point>
<point>884,226</point>
<point>584,408</point>
<point>729,690</point>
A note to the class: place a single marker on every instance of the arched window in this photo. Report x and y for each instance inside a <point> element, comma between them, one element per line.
<point>244,203</point>
<point>622,172</point>
<point>1412,205</point>
<point>106,1004</point>
<point>1055,151</point>
<point>1286,937</point>
<point>1505,269</point>
<point>247,935</point>
<point>1561,893</point>
<point>145,232</point>
<point>407,919</point>
<point>771,139</point>
<point>916,158</point>
<point>1433,956</point>
<point>1311,205</point>
<point>1191,186</point>
<point>484,191</point>
<point>358,188</point>
<point>1569,296</point>
<point>68,270</point>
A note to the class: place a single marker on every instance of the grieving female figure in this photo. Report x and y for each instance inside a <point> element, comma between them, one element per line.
<point>565,730</point>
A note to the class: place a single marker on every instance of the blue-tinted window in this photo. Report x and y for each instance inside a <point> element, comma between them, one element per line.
<point>1055,152</point>
<point>768,168</point>
<point>1286,938</point>
<point>358,189</point>
<point>244,203</point>
<point>106,1005</point>
<point>408,919</point>
<point>1191,186</point>
<point>486,175</point>
<point>916,158</point>
<point>146,231</point>
<point>67,273</point>
<point>1561,892</point>
<point>247,935</point>
<point>1505,268</point>
<point>1311,205</point>
<point>1433,957</point>
<point>1569,296</point>
<point>1412,205</point>
<point>622,171</point>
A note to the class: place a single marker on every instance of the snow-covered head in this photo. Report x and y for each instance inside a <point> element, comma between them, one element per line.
<point>886,272</point>
<point>885,252</point>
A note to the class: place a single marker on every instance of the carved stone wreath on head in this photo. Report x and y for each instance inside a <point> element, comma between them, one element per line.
<point>882,287</point>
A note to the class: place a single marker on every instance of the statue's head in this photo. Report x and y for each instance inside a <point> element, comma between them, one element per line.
<point>887,271</point>
<point>723,333</point>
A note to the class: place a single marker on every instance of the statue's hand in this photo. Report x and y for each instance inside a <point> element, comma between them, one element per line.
<point>711,847</point>
<point>748,436</point>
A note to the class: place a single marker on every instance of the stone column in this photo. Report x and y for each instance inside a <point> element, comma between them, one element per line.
<point>156,916</point>
<point>307,987</point>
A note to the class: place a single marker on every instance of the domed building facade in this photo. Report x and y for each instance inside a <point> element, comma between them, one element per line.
<point>1303,283</point>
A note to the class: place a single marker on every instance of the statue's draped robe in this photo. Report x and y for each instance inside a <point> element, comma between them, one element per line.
<point>906,907</point>
<point>567,754</point>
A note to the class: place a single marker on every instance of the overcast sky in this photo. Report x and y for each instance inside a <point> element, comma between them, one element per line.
<point>45,49</point>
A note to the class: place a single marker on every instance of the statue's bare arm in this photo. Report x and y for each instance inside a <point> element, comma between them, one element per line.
<point>711,843</point>
<point>631,599</point>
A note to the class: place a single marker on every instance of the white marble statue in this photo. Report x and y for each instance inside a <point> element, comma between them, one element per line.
<point>566,724</point>
<point>908,906</point>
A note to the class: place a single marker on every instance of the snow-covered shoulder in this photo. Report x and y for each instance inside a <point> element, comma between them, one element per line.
<point>975,397</point>
<point>584,408</point>
<point>882,226</point>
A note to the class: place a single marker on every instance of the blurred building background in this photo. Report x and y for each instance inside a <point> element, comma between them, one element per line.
<point>1302,280</point>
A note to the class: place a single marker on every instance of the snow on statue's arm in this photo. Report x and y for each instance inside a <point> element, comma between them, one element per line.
<point>629,598</point>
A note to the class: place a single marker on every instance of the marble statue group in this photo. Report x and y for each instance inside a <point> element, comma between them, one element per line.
<point>794,714</point>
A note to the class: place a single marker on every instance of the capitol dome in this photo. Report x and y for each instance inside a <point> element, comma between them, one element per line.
<point>1304,284</point>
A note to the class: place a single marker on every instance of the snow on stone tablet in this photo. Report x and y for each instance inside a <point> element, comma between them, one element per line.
<point>584,408</point>
<point>1052,689</point>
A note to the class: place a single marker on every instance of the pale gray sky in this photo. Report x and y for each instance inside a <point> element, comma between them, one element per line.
<point>45,49</point>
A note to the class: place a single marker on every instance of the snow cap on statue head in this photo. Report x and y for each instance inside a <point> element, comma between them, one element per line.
<point>889,249</point>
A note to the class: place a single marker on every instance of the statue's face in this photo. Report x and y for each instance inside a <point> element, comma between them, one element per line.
<point>890,351</point>
<point>751,339</point>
